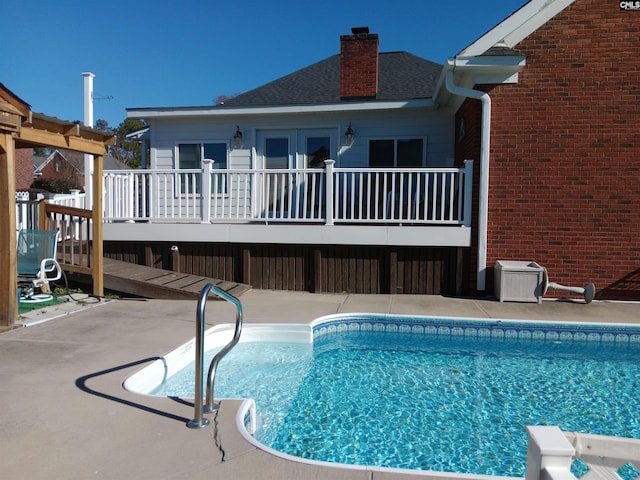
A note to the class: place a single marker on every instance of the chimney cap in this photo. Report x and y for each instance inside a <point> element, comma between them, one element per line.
<point>359,30</point>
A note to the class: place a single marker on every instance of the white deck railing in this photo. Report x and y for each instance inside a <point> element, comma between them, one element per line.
<point>435,196</point>
<point>27,210</point>
<point>552,453</point>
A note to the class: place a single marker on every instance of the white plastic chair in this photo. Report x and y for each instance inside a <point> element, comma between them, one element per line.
<point>36,257</point>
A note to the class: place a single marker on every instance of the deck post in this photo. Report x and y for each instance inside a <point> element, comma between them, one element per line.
<point>205,191</point>
<point>329,191</point>
<point>97,247</point>
<point>8,241</point>
<point>468,191</point>
<point>549,454</point>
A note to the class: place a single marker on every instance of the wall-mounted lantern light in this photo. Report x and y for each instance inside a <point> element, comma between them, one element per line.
<point>237,137</point>
<point>349,135</point>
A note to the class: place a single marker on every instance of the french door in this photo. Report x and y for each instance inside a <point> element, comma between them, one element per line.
<point>286,194</point>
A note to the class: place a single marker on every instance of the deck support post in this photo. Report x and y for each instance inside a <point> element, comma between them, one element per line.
<point>8,240</point>
<point>246,265</point>
<point>459,270</point>
<point>393,270</point>
<point>175,258</point>
<point>97,247</point>
<point>148,256</point>
<point>317,270</point>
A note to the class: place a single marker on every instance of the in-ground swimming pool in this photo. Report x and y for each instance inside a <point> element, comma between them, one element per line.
<point>425,393</point>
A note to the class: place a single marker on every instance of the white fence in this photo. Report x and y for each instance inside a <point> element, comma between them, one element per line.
<point>437,196</point>
<point>27,210</point>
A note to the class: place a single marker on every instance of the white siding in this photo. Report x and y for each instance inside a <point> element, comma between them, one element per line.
<point>436,126</point>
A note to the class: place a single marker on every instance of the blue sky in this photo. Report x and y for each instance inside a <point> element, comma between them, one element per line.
<point>186,53</point>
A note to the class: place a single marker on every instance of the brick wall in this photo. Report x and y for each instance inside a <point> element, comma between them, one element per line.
<point>24,168</point>
<point>61,169</point>
<point>359,65</point>
<point>565,152</point>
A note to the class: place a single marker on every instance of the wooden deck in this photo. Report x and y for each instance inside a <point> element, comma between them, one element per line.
<point>152,282</point>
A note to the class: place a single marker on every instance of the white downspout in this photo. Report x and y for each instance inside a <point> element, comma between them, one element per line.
<point>483,194</point>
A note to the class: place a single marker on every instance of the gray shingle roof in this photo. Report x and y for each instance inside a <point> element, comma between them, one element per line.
<point>401,76</point>
<point>76,160</point>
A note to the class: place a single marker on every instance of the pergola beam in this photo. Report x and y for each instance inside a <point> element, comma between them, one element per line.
<point>20,128</point>
<point>72,130</point>
<point>31,136</point>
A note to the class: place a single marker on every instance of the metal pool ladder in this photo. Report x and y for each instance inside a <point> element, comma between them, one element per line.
<point>199,421</point>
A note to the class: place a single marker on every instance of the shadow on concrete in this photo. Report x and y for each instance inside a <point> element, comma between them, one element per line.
<point>81,383</point>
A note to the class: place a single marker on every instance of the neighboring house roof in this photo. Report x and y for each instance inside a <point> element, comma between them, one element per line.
<point>143,133</point>
<point>37,163</point>
<point>112,163</point>
<point>401,76</point>
<point>76,160</point>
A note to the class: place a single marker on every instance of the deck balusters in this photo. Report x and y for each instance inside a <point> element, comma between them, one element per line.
<point>428,196</point>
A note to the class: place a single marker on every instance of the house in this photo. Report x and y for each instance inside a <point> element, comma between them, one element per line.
<point>545,105</point>
<point>24,168</point>
<point>361,109</point>
<point>564,181</point>
<point>67,166</point>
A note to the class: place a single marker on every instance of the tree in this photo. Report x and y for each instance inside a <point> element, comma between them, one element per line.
<point>42,151</point>
<point>103,125</point>
<point>222,99</point>
<point>127,150</point>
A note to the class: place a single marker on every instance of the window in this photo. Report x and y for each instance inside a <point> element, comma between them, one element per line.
<point>190,156</point>
<point>403,153</point>
<point>318,150</point>
<point>276,152</point>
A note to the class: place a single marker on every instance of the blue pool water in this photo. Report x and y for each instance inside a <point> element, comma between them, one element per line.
<point>455,403</point>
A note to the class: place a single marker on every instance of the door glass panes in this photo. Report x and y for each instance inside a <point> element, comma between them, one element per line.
<point>276,153</point>
<point>318,150</point>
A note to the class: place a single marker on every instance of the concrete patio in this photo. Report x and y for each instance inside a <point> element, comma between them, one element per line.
<point>65,414</point>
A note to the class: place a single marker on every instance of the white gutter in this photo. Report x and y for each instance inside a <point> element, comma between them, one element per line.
<point>210,111</point>
<point>483,194</point>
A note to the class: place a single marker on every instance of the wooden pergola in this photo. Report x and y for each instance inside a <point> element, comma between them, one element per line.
<point>21,128</point>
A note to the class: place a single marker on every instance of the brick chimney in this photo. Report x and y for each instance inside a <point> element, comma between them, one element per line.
<point>359,64</point>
